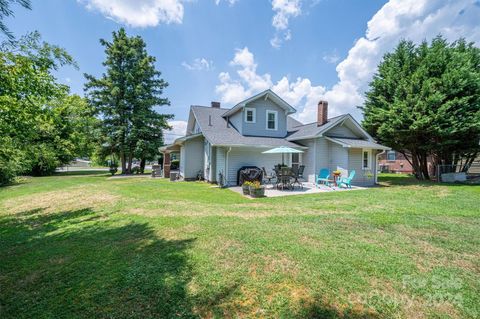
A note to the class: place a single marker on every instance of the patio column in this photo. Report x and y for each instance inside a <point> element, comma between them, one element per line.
<point>166,164</point>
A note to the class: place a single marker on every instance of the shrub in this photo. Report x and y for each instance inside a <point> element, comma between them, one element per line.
<point>174,164</point>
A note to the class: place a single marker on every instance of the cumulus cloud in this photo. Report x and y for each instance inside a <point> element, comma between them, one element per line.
<point>179,129</point>
<point>138,13</point>
<point>415,20</point>
<point>247,82</point>
<point>198,64</point>
<point>284,11</point>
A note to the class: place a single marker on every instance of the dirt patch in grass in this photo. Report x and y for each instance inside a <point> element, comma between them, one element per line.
<point>61,200</point>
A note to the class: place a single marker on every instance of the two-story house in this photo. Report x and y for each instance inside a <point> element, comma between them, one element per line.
<point>219,141</point>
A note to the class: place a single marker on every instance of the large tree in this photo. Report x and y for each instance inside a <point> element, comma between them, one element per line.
<point>125,97</point>
<point>424,101</point>
<point>41,125</point>
<point>7,11</point>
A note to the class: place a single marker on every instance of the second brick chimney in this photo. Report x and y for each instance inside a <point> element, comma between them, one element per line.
<point>322,113</point>
<point>215,104</point>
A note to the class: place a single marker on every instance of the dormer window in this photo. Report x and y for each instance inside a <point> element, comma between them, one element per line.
<point>250,115</point>
<point>271,120</point>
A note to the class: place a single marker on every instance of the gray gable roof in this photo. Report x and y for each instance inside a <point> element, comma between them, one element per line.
<point>312,129</point>
<point>215,129</point>
<point>357,143</point>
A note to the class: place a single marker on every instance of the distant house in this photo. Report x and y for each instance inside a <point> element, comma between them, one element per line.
<point>220,141</point>
<point>394,162</point>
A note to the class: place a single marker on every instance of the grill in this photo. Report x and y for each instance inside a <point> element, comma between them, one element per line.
<point>249,173</point>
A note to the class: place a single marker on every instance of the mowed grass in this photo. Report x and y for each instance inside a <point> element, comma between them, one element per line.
<point>90,246</point>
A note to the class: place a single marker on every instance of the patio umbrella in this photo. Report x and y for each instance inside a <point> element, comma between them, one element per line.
<point>282,150</point>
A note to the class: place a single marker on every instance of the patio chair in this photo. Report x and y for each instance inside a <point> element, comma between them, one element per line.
<point>267,177</point>
<point>284,178</point>
<point>346,180</point>
<point>323,177</point>
<point>297,173</point>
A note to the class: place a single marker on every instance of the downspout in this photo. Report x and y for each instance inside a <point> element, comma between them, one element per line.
<point>226,165</point>
<point>376,166</point>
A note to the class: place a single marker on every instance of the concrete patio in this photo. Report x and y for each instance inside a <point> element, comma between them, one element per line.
<point>308,188</point>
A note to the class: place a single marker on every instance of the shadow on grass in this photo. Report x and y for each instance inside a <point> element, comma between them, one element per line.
<point>83,172</point>
<point>81,264</point>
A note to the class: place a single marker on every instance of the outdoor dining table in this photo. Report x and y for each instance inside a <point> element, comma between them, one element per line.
<point>284,177</point>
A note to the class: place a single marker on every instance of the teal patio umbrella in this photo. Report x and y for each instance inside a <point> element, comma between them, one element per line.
<point>282,150</point>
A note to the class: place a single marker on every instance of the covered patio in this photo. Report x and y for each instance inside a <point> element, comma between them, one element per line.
<point>308,188</point>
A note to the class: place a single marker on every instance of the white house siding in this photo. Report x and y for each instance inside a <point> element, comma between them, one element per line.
<point>193,157</point>
<point>338,159</point>
<point>342,131</point>
<point>219,161</point>
<point>242,156</point>
<point>207,160</point>
<point>308,159</point>
<point>355,163</point>
<point>182,161</point>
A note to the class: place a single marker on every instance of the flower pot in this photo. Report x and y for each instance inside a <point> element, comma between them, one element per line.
<point>246,190</point>
<point>257,192</point>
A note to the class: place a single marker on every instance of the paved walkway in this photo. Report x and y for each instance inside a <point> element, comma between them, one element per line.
<point>308,188</point>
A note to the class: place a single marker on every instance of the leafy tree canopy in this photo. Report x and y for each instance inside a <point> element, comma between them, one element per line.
<point>424,101</point>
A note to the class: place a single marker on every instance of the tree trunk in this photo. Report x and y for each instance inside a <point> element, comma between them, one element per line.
<point>142,165</point>
<point>130,159</point>
<point>124,163</point>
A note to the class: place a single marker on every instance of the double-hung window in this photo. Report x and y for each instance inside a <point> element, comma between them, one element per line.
<point>366,158</point>
<point>250,115</point>
<point>272,120</point>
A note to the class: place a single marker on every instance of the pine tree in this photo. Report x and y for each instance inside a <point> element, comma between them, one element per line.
<point>125,97</point>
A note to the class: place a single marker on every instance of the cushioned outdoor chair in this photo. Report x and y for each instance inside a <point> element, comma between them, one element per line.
<point>347,181</point>
<point>323,177</point>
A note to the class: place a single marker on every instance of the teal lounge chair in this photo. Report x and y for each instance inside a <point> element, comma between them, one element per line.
<point>323,177</point>
<point>346,180</point>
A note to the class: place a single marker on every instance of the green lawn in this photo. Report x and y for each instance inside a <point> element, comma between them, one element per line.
<point>88,246</point>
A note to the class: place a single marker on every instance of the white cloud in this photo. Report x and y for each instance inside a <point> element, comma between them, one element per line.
<point>139,13</point>
<point>198,64</point>
<point>332,57</point>
<point>248,82</point>
<point>415,20</point>
<point>179,129</point>
<point>230,2</point>
<point>284,11</point>
<point>410,19</point>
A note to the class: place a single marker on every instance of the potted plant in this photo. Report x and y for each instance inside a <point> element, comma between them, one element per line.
<point>257,190</point>
<point>246,187</point>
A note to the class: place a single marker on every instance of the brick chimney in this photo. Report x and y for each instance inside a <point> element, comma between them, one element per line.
<point>322,113</point>
<point>215,104</point>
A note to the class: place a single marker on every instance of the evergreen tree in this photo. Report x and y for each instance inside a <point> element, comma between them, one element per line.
<point>125,97</point>
<point>424,101</point>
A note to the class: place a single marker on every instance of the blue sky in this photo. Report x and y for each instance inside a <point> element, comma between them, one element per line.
<point>227,50</point>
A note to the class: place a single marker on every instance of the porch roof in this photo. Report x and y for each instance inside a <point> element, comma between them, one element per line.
<point>357,143</point>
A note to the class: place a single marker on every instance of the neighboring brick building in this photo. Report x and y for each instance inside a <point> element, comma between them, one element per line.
<point>394,162</point>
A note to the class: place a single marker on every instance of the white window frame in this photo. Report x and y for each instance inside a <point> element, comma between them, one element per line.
<point>276,120</point>
<point>369,159</point>
<point>254,115</point>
